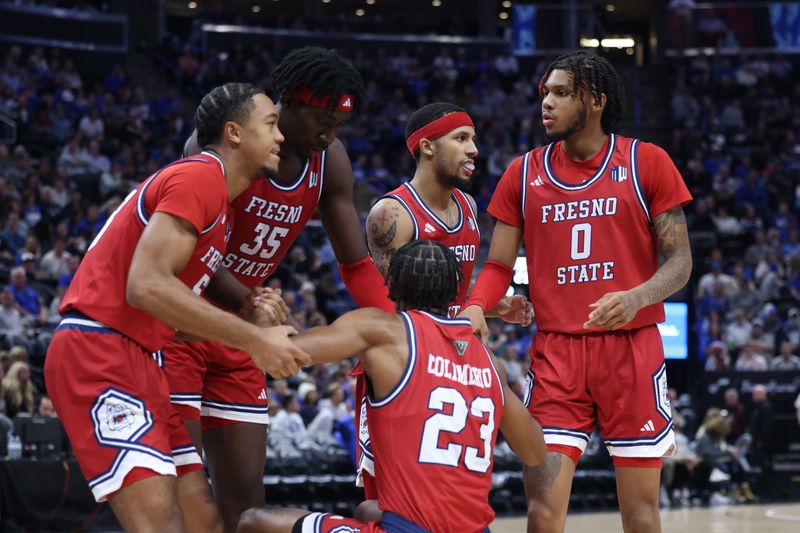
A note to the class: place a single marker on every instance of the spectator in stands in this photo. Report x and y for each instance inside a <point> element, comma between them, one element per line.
<point>17,390</point>
<point>785,360</point>
<point>14,232</point>
<point>761,427</point>
<point>760,342</point>
<point>72,159</point>
<point>750,361</point>
<point>717,359</point>
<point>45,407</point>
<point>28,299</point>
<point>784,220</point>
<point>91,126</point>
<point>12,327</point>
<point>753,192</point>
<point>709,280</point>
<point>737,332</point>
<point>332,408</point>
<point>791,328</point>
<point>718,462</point>
<point>55,263</point>
<point>744,297</point>
<point>310,400</point>
<point>736,414</point>
<point>288,421</point>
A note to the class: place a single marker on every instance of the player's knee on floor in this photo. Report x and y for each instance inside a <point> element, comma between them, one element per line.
<point>253,520</point>
<point>368,511</point>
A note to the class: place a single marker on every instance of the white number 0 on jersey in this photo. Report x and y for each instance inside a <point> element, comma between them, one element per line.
<point>455,422</point>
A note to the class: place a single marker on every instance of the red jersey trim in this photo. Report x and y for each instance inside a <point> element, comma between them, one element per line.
<point>298,180</point>
<point>523,190</point>
<point>612,141</point>
<point>433,216</point>
<point>410,365</point>
<point>637,186</point>
<point>410,213</point>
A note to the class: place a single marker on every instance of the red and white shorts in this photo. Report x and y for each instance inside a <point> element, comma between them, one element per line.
<point>113,400</point>
<point>215,384</point>
<point>616,380</point>
<point>365,475</point>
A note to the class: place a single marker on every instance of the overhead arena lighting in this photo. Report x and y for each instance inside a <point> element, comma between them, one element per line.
<point>611,42</point>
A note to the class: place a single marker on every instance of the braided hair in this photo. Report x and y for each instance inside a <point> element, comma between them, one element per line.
<point>424,275</point>
<point>595,72</point>
<point>231,102</point>
<point>323,71</point>
<point>427,114</point>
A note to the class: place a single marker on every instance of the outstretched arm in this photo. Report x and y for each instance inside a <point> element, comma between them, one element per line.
<point>616,309</point>
<point>349,335</point>
<point>153,286</point>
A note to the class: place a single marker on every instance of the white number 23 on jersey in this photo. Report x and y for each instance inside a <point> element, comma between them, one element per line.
<point>455,423</point>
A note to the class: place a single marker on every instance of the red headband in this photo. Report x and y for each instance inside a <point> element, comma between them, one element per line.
<point>306,96</point>
<point>437,128</point>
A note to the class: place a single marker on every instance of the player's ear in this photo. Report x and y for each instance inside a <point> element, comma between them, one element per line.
<point>426,147</point>
<point>600,104</point>
<point>232,132</point>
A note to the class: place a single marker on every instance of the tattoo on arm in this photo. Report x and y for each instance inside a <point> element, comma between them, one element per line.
<point>381,235</point>
<point>673,240</point>
<point>667,229</point>
<point>540,478</point>
<point>386,237</point>
<point>382,260</point>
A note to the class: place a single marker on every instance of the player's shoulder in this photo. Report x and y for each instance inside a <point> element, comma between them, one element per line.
<point>531,155</point>
<point>388,203</point>
<point>381,327</point>
<point>469,199</point>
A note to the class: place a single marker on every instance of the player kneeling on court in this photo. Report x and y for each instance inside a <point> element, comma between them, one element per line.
<point>436,400</point>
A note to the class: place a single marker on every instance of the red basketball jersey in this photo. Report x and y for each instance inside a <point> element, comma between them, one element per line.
<point>463,239</point>
<point>588,225</point>
<point>193,189</point>
<point>434,434</point>
<point>269,217</point>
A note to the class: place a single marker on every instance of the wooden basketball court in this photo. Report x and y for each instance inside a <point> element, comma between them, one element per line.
<point>725,519</point>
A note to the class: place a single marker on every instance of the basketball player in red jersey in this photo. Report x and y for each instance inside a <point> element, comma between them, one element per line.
<point>218,390</point>
<point>437,399</point>
<point>441,138</point>
<point>594,208</point>
<point>141,279</point>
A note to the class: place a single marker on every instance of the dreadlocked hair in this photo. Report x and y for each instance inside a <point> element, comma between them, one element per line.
<point>427,114</point>
<point>323,71</point>
<point>595,72</point>
<point>231,102</point>
<point>424,275</point>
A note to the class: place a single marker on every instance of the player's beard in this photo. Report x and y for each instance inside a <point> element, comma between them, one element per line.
<point>271,173</point>
<point>448,177</point>
<point>578,123</point>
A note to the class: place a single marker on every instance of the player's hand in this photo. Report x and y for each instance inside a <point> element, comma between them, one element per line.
<point>264,307</point>
<point>275,354</point>
<point>613,310</point>
<point>515,309</point>
<point>475,315</point>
